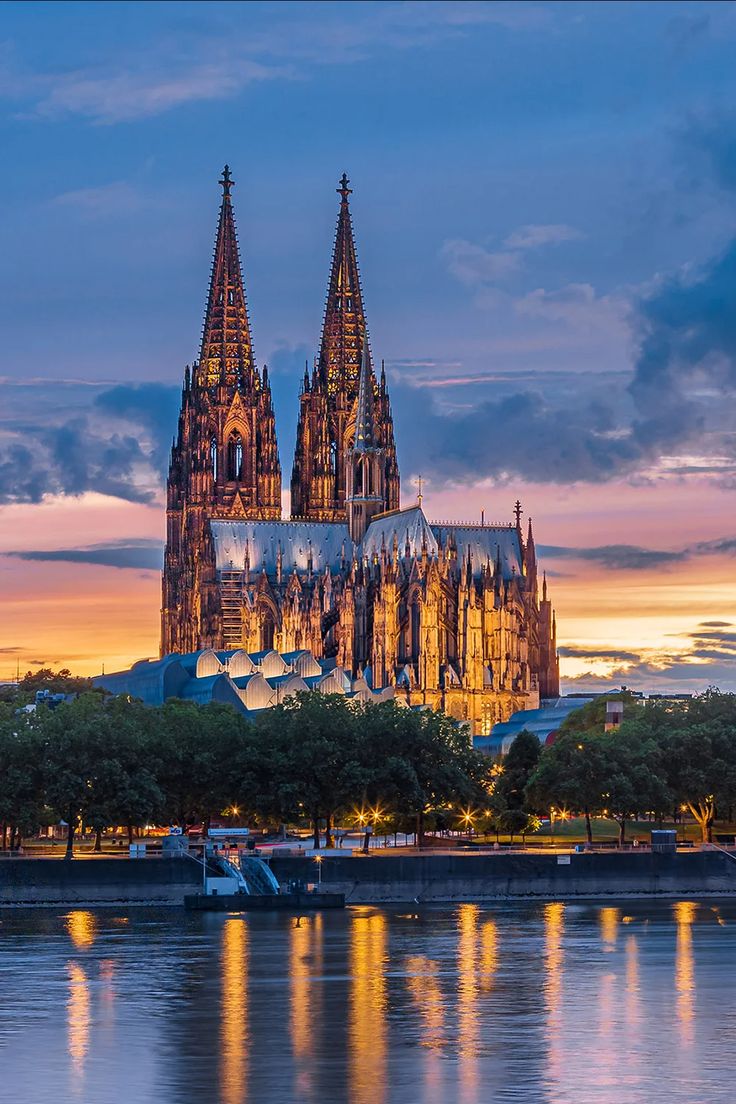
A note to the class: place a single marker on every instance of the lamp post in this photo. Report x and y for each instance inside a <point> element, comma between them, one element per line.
<point>318,860</point>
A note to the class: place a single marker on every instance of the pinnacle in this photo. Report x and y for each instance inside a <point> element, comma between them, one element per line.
<point>344,329</point>
<point>226,340</point>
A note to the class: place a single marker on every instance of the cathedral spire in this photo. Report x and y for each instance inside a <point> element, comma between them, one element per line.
<point>365,432</point>
<point>343,332</point>
<point>227,351</point>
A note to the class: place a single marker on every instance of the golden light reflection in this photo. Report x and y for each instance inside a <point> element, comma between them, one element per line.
<point>554,926</point>
<point>424,987</point>
<point>609,921</point>
<point>305,959</point>
<point>489,954</point>
<point>234,1012</point>
<point>368,942</point>
<point>685,967</point>
<point>78,1017</point>
<point>633,1012</point>
<point>81,927</point>
<point>467,1001</point>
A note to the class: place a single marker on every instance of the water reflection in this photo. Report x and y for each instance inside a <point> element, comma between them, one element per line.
<point>428,1001</point>
<point>464,1005</point>
<point>684,912</point>
<point>82,927</point>
<point>368,939</point>
<point>554,926</point>
<point>609,920</point>
<point>305,960</point>
<point>78,1018</point>
<point>467,999</point>
<point>234,1009</point>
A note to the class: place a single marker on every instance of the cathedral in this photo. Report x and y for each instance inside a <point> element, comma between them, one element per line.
<point>450,615</point>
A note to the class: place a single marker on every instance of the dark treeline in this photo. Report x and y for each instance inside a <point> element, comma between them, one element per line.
<point>666,758</point>
<point>316,761</point>
<point>100,762</point>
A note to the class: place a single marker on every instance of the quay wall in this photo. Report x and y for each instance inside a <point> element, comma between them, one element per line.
<point>382,879</point>
<point>85,881</point>
<point>432,878</point>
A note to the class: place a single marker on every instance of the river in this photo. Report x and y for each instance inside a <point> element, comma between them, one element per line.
<point>625,1003</point>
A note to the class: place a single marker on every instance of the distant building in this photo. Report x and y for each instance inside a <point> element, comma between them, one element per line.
<point>544,722</point>
<point>450,613</point>
<point>248,681</point>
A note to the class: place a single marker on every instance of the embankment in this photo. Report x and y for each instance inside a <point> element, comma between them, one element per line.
<point>383,879</point>
<point>118,881</point>
<point>431,878</point>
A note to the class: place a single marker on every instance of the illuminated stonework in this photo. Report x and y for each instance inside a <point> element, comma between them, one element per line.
<point>448,614</point>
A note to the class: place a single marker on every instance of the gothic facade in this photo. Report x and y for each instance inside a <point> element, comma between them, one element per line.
<point>452,616</point>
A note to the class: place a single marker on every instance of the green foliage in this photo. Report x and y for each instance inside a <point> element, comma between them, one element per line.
<point>56,682</point>
<point>664,754</point>
<point>510,806</point>
<point>319,760</point>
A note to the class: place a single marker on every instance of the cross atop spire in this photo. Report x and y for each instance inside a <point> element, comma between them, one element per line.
<point>344,329</point>
<point>343,189</point>
<point>227,181</point>
<point>227,351</point>
<point>517,513</point>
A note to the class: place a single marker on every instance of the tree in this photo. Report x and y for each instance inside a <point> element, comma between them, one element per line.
<point>198,759</point>
<point>56,682</point>
<point>570,774</point>
<point>309,758</point>
<point>73,756</point>
<point>699,752</point>
<point>422,761</point>
<point>510,801</point>
<point>21,784</point>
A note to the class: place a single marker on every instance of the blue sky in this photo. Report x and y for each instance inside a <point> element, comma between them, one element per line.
<point>544,210</point>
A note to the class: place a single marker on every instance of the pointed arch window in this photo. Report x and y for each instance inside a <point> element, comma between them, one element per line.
<point>213,456</point>
<point>235,457</point>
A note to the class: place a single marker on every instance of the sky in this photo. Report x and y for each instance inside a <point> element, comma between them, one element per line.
<point>545,213</point>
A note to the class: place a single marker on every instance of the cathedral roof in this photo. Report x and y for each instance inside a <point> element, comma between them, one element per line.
<point>484,542</point>
<point>325,543</point>
<point>410,527</point>
<point>226,340</point>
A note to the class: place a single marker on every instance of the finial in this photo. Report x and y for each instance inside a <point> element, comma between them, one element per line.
<point>420,485</point>
<point>226,182</point>
<point>518,512</point>
<point>343,189</point>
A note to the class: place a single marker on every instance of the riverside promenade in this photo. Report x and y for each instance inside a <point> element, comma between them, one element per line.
<point>378,879</point>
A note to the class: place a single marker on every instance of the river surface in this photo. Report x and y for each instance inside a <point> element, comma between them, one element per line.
<point>629,1003</point>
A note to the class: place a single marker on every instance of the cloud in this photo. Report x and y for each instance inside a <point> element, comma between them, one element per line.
<point>629,557</point>
<point>474,265</point>
<point>140,554</point>
<point>116,445</point>
<point>623,557</point>
<point>705,657</point>
<point>114,198</point>
<point>520,434</point>
<point>137,93</point>
<point>535,235</point>
<point>577,305</point>
<point>221,62</point>
<point>572,652</point>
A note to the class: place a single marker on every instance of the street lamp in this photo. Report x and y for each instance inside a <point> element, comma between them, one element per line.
<point>318,860</point>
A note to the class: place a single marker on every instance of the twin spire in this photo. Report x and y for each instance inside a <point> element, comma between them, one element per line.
<point>344,329</point>
<point>227,349</point>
